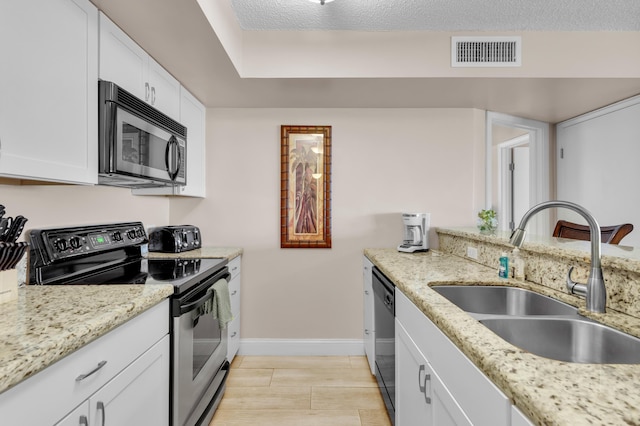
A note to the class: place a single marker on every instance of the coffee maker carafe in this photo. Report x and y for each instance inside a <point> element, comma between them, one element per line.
<point>416,231</point>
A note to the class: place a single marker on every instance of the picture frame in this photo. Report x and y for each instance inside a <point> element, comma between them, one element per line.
<point>305,182</point>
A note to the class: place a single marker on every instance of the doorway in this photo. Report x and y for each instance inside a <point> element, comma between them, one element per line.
<point>496,190</point>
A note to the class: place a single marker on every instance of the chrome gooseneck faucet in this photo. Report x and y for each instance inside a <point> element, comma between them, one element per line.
<point>594,291</point>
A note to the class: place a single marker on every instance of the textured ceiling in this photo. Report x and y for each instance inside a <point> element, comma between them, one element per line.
<point>440,15</point>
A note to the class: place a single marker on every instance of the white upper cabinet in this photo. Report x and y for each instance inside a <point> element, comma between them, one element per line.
<point>125,63</point>
<point>49,90</point>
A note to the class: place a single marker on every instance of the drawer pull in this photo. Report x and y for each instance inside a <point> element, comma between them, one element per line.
<point>83,421</point>
<point>234,292</point>
<point>100,407</point>
<point>84,376</point>
<point>235,333</point>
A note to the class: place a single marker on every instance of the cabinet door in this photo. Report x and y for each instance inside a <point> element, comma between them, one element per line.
<point>482,401</point>
<point>48,87</point>
<point>122,61</point>
<point>421,397</point>
<point>518,418</point>
<point>369,329</point>
<point>445,409</point>
<point>412,403</point>
<point>139,395</point>
<point>78,417</point>
<point>165,91</point>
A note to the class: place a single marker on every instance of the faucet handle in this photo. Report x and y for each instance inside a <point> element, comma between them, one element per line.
<point>575,287</point>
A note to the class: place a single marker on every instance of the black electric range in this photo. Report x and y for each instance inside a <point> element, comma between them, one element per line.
<point>109,254</point>
<point>116,254</point>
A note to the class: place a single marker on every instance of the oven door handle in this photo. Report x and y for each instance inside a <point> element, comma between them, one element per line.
<point>201,301</point>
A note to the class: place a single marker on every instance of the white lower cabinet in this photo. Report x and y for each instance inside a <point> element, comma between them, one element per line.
<point>233,328</point>
<point>78,417</point>
<point>421,397</point>
<point>460,394</point>
<point>121,377</point>
<point>518,418</point>
<point>369,332</point>
<point>139,394</point>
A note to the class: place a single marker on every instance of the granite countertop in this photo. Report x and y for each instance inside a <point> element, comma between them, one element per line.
<point>46,323</point>
<point>549,392</point>
<point>204,252</point>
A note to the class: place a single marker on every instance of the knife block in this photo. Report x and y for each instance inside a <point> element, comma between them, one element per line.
<point>8,285</point>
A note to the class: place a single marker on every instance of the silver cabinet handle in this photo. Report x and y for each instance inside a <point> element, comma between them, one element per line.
<point>153,96</point>
<point>83,421</point>
<point>84,376</point>
<point>427,399</point>
<point>234,292</point>
<point>366,331</point>
<point>420,386</point>
<point>100,407</point>
<point>235,333</point>
<point>366,292</point>
<point>235,268</point>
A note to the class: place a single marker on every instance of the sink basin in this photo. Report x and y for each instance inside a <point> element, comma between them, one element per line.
<point>567,339</point>
<point>499,300</point>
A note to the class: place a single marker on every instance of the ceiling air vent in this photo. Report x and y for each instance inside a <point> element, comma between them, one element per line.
<point>486,52</point>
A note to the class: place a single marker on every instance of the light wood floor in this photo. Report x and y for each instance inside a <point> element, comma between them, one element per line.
<point>301,391</point>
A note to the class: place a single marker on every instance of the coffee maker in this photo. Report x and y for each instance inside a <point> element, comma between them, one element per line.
<point>416,231</point>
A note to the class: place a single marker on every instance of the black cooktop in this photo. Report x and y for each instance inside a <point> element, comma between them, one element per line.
<point>175,271</point>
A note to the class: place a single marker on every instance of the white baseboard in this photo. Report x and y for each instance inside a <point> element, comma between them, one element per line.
<point>301,347</point>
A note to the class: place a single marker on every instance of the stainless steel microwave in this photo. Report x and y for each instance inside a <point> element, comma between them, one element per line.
<point>139,146</point>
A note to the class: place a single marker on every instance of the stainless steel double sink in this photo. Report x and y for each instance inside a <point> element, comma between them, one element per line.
<point>542,325</point>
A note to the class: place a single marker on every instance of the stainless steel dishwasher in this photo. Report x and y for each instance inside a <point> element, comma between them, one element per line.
<point>385,340</point>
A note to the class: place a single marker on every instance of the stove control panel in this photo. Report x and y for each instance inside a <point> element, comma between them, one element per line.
<point>63,243</point>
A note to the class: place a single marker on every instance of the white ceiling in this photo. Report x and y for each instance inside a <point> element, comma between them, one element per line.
<point>180,38</point>
<point>440,15</point>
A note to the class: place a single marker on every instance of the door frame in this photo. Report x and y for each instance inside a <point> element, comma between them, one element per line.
<point>539,179</point>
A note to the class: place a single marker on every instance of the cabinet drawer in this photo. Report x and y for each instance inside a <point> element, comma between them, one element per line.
<point>234,293</point>
<point>57,389</point>
<point>481,400</point>
<point>234,266</point>
<point>233,328</point>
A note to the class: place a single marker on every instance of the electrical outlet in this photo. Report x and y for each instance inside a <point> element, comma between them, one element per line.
<point>472,252</point>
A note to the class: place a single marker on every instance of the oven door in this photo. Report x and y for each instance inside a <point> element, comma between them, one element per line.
<point>199,366</point>
<point>146,150</point>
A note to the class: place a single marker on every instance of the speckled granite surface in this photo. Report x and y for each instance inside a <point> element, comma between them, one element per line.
<point>549,392</point>
<point>47,323</point>
<point>205,252</point>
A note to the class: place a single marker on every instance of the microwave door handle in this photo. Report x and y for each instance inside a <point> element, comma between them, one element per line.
<point>169,155</point>
<point>178,161</point>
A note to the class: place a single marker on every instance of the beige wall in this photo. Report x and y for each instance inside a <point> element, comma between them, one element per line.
<point>385,161</point>
<point>60,205</point>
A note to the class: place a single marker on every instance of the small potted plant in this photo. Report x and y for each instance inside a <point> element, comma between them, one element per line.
<point>487,221</point>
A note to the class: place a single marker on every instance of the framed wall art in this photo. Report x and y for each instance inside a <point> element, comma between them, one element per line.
<point>305,181</point>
